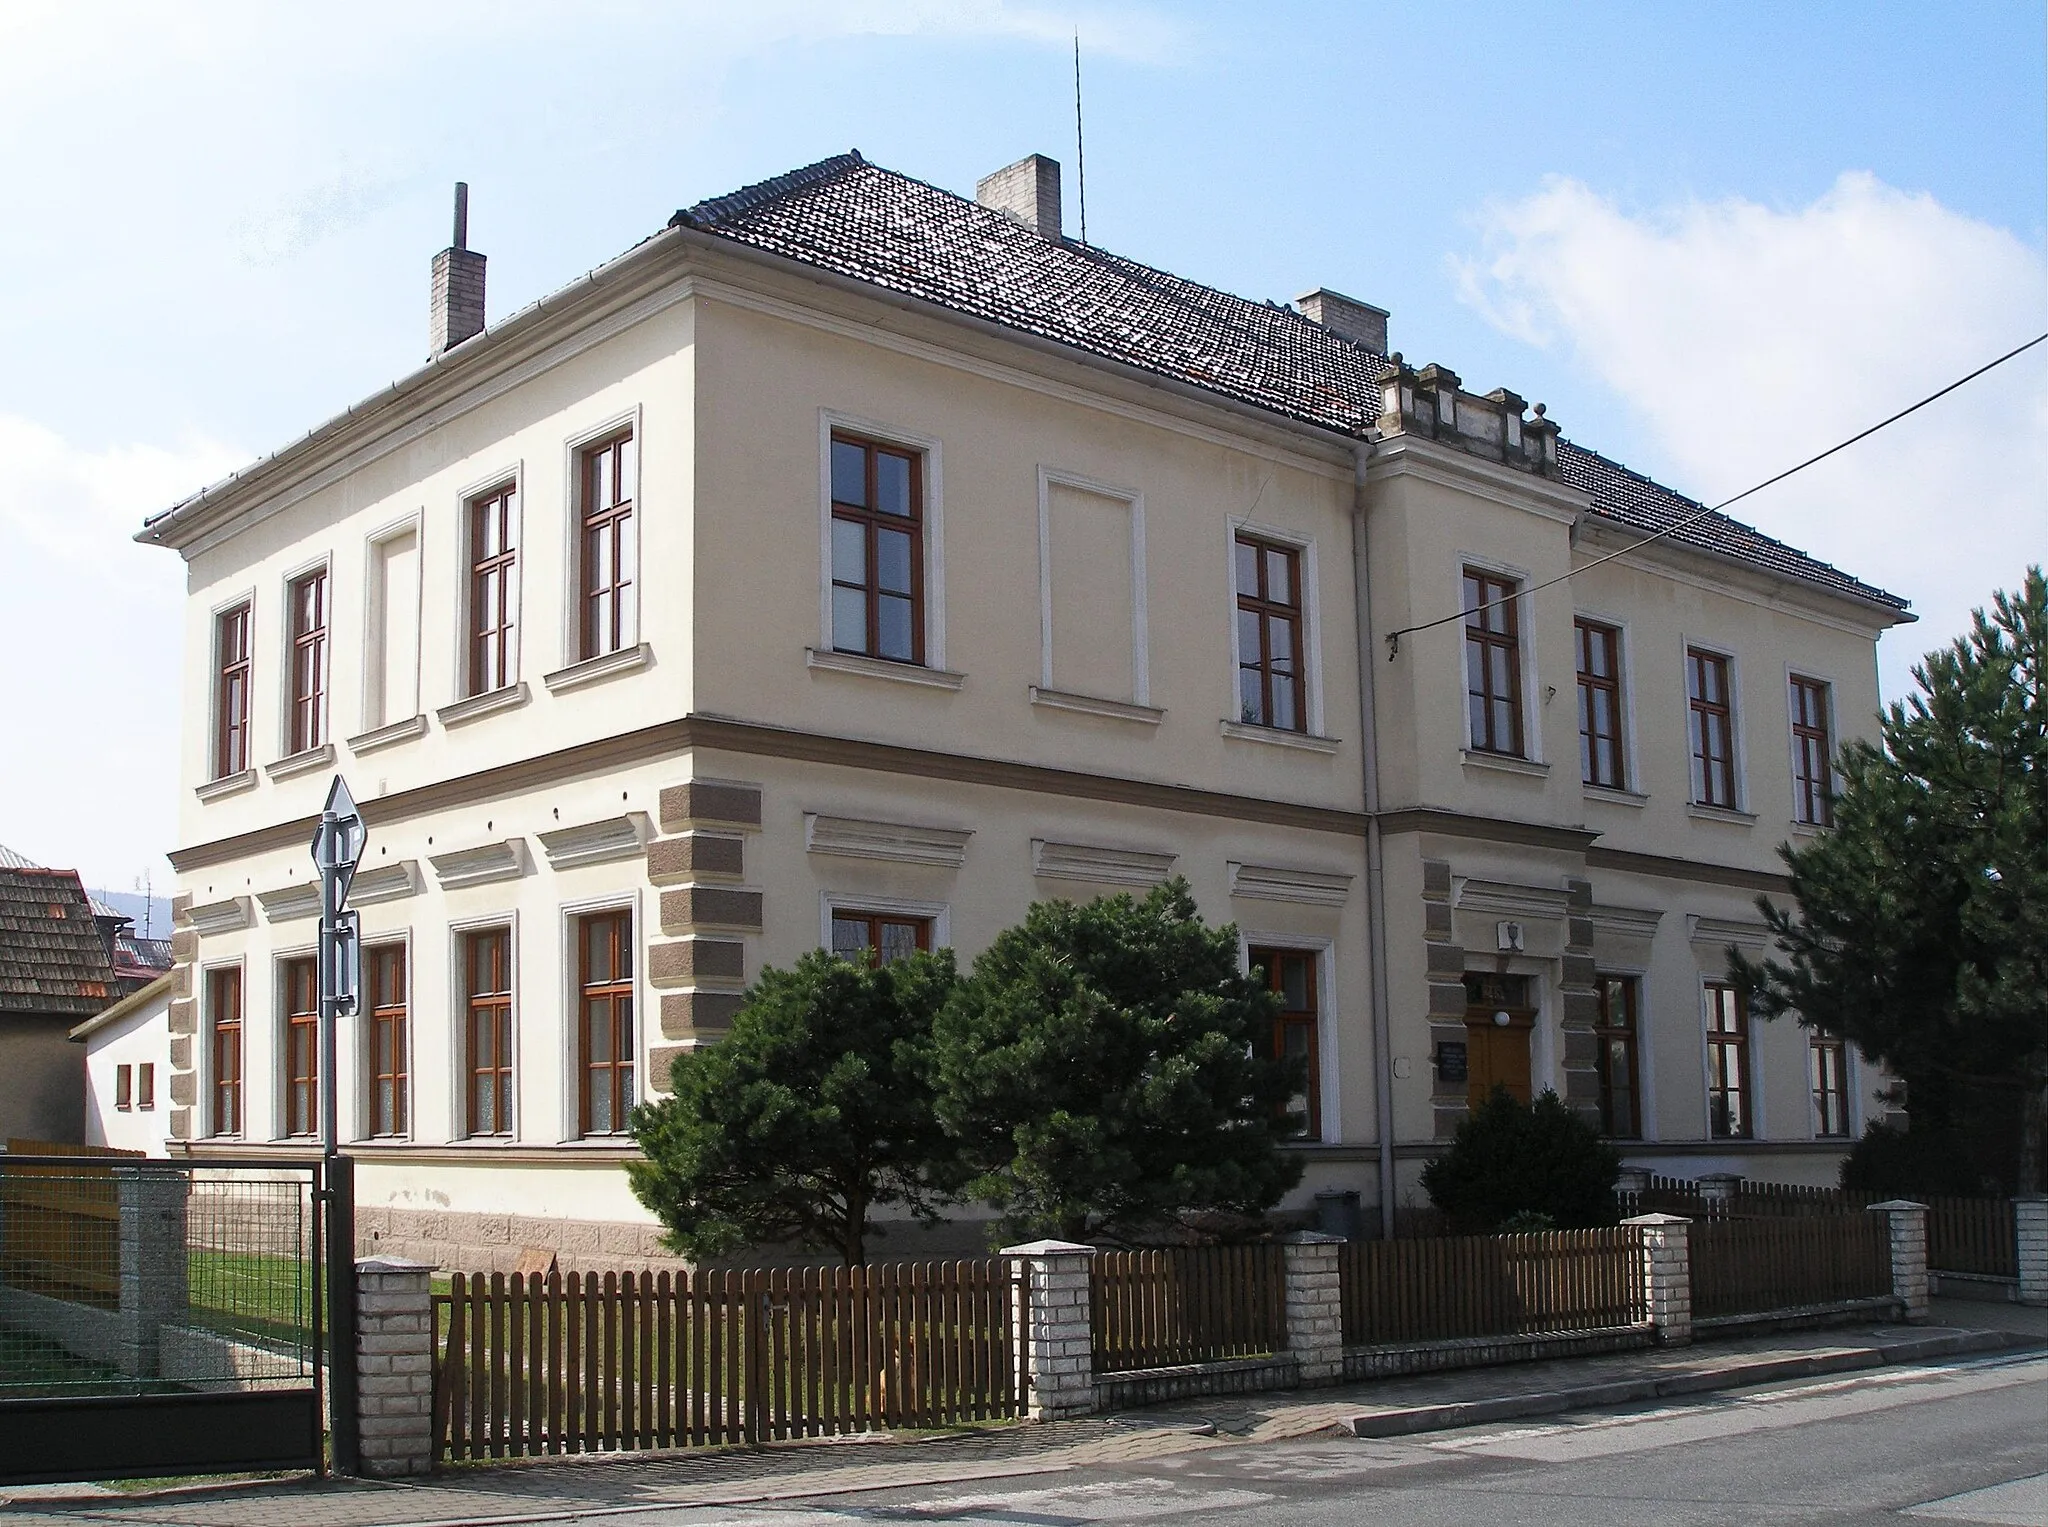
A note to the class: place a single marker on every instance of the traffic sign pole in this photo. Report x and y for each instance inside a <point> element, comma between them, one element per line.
<point>337,849</point>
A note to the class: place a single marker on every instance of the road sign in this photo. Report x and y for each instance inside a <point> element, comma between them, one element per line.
<point>345,980</point>
<point>339,839</point>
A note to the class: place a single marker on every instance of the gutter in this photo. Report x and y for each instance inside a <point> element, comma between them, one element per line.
<point>1381,999</point>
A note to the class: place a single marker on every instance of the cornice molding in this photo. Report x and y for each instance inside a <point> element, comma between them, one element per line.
<point>1271,882</point>
<point>229,916</point>
<point>384,882</point>
<point>1099,865</point>
<point>1500,898</point>
<point>860,838</point>
<point>487,862</point>
<point>620,837</point>
<point>291,902</point>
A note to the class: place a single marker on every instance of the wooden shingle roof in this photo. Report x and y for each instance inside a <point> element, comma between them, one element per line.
<point>52,956</point>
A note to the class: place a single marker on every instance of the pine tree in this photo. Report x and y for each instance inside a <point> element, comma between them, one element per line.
<point>1106,1071</point>
<point>1921,926</point>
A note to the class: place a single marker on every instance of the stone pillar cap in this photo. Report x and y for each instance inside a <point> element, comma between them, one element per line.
<point>1658,1219</point>
<point>1312,1238</point>
<point>1898,1203</point>
<point>1048,1249</point>
<point>391,1265</point>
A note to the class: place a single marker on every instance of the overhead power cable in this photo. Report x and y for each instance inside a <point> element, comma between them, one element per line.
<point>1394,637</point>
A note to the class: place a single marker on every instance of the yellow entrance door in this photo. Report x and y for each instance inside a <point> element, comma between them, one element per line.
<point>1497,1054</point>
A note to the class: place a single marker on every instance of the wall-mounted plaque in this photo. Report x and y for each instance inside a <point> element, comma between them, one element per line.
<point>1451,1065</point>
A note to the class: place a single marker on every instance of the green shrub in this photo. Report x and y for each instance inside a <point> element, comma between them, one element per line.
<point>1513,1163</point>
<point>1924,1161</point>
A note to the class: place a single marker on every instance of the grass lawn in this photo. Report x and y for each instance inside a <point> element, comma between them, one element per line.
<point>266,1300</point>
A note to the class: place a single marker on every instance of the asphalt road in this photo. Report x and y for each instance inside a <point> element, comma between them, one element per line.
<point>1951,1443</point>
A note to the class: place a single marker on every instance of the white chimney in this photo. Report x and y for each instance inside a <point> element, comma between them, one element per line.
<point>456,300</point>
<point>1346,317</point>
<point>1028,190</point>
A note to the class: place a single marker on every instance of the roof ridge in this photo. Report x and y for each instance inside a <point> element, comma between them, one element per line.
<point>761,192</point>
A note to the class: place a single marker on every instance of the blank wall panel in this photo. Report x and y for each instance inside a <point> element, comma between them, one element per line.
<point>393,658</point>
<point>1092,593</point>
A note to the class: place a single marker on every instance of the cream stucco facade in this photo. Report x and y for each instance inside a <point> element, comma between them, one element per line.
<point>728,779</point>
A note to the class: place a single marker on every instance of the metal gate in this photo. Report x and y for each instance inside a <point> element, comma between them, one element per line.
<point>157,1317</point>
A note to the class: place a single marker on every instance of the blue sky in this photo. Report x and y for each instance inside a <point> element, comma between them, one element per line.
<point>1711,237</point>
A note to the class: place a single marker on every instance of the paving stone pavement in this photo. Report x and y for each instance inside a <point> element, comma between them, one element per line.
<point>548,1489</point>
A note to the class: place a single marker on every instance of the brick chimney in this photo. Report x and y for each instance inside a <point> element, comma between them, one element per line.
<point>1346,317</point>
<point>456,306</point>
<point>1028,190</point>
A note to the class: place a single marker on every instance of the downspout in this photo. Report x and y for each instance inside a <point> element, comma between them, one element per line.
<point>1375,871</point>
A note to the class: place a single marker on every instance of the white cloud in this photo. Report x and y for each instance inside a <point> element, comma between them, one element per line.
<point>1744,338</point>
<point>89,620</point>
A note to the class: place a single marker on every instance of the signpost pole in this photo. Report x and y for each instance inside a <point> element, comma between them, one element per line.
<point>337,848</point>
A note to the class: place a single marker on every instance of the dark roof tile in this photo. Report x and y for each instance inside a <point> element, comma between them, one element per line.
<point>52,956</point>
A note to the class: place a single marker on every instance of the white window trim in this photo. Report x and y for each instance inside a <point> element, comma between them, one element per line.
<point>1141,679</point>
<point>1794,671</point>
<point>1311,621</point>
<point>1752,1076</point>
<point>458,1031</point>
<point>211,741</point>
<point>940,913</point>
<point>203,1070</point>
<point>572,533</point>
<point>366,1041</point>
<point>1646,1107</point>
<point>1631,763</point>
<point>1329,1095</point>
<point>280,1051</point>
<point>931,456</point>
<point>516,475</point>
<point>324,564</point>
<point>571,1098</point>
<point>1525,646</point>
<point>1737,740</point>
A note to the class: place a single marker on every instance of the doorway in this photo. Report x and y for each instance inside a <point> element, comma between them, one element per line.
<point>1500,1018</point>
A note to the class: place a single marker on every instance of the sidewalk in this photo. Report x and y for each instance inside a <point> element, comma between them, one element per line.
<point>624,1484</point>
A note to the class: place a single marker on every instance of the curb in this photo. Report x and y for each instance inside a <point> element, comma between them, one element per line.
<point>1409,1420</point>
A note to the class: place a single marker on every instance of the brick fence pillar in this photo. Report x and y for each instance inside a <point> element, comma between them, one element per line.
<point>1055,1312</point>
<point>2030,1227</point>
<point>155,1290</point>
<point>1719,1188</point>
<point>1667,1276</point>
<point>1315,1305</point>
<point>1908,1223</point>
<point>395,1366</point>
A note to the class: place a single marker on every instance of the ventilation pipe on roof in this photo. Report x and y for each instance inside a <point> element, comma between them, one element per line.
<point>1345,317</point>
<point>1028,191</point>
<point>456,303</point>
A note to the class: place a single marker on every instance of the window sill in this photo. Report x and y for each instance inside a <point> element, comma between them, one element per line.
<point>1092,705</point>
<point>226,785</point>
<point>1614,797</point>
<point>486,704</point>
<point>1808,831</point>
<point>1307,742</point>
<point>818,660</point>
<point>593,670</point>
<point>1504,763</point>
<point>1724,814</point>
<point>301,763</point>
<point>389,735</point>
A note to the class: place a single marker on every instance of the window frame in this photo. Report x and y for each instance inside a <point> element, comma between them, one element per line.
<point>854,901</point>
<point>1313,961</point>
<point>1615,684</point>
<point>503,1006</point>
<point>294,1026</point>
<point>145,1086</point>
<point>308,723</point>
<point>507,566</point>
<point>624,1060</point>
<point>923,925</point>
<point>1821,1043</point>
<point>873,521</point>
<point>574,613</point>
<point>1311,625</point>
<point>219,1085</point>
<point>124,1088</point>
<point>225,675</point>
<point>376,1017</point>
<point>1264,608</point>
<point>1509,586</point>
<point>1740,1042</point>
<point>1630,1032</point>
<point>1697,711</point>
<point>1806,790</point>
<point>932,596</point>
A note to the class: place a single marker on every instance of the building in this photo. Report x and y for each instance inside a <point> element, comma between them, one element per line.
<point>851,563</point>
<point>127,1065</point>
<point>56,968</point>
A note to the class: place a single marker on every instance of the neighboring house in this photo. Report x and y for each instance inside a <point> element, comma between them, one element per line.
<point>127,1069</point>
<point>55,969</point>
<point>852,564</point>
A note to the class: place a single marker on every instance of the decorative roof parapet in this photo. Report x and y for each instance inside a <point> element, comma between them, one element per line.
<point>1431,404</point>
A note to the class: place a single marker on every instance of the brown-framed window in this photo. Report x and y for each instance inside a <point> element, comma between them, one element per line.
<point>1602,757</point>
<point>306,605</point>
<point>604,942</point>
<point>1713,728</point>
<point>224,1048</point>
<point>145,1086</point>
<point>124,1087</point>
<point>231,692</point>
<point>385,975</point>
<point>301,1048</point>
<point>493,590</point>
<point>487,1036</point>
<point>1493,663</point>
<point>608,552</point>
<point>1728,1107</point>
<point>1615,1032</point>
<point>1827,1060</point>
<point>877,549</point>
<point>1271,686</point>
<point>1291,975</point>
<point>1813,751</point>
<point>884,937</point>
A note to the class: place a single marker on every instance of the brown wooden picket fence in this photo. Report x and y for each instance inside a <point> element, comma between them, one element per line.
<point>1453,1287</point>
<point>1187,1304</point>
<point>584,1362</point>
<point>1973,1235</point>
<point>1747,1266</point>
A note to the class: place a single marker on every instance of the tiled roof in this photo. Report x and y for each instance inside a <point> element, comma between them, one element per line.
<point>849,216</point>
<point>10,860</point>
<point>52,958</point>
